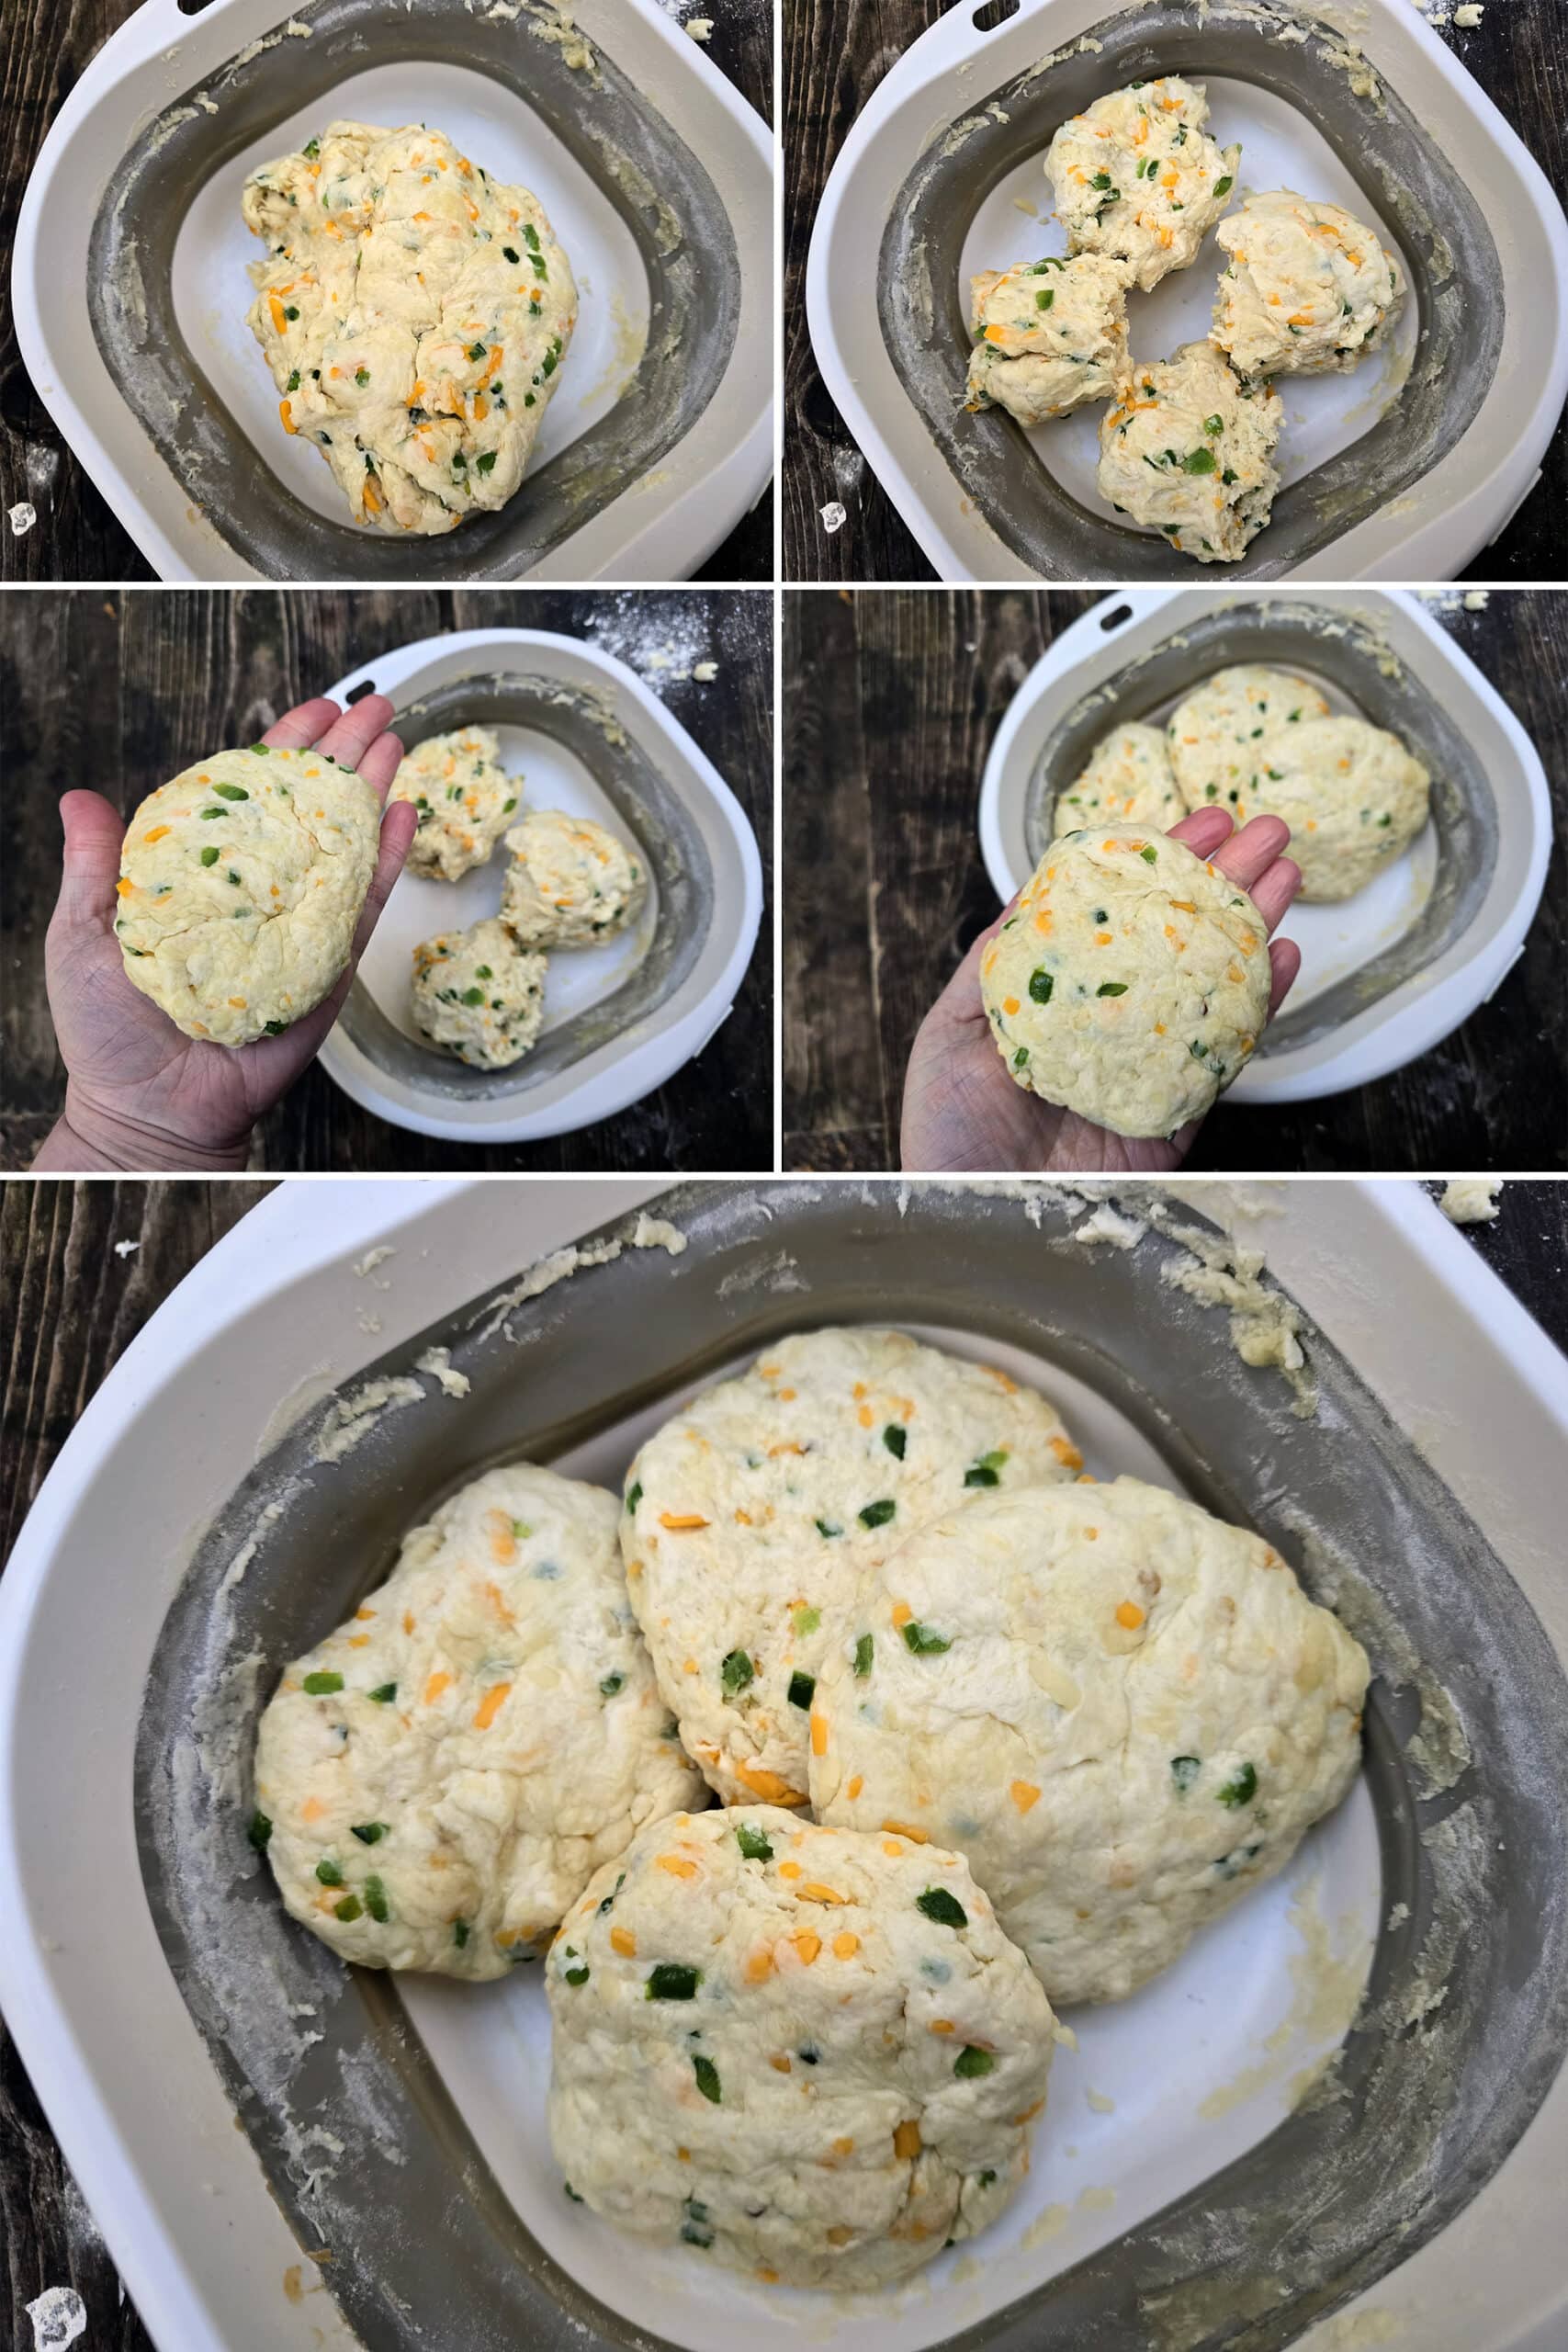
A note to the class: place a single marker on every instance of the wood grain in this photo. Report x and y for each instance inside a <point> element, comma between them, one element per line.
<point>45,46</point>
<point>891,700</point>
<point>120,691</point>
<point>836,52</point>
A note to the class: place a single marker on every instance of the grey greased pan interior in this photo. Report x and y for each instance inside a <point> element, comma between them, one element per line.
<point>656,184</point>
<point>1456,288</point>
<point>1465,2022</point>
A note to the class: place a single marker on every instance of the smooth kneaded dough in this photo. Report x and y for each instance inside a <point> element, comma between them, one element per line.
<point>1309,288</point>
<point>755,1515</point>
<point>1138,179</point>
<point>1125,1713</point>
<point>482,1734</point>
<point>570,882</point>
<point>1216,736</point>
<point>1050,336</point>
<point>1129,983</point>
<point>241,886</point>
<point>1128,781</point>
<point>414,312</point>
<point>479,995</point>
<point>1188,450</point>
<point>766,2047</point>
<point>465,798</point>
<point>1352,796</point>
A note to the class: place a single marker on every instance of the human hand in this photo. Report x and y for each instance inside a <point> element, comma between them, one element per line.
<point>964,1113</point>
<point>141,1095</point>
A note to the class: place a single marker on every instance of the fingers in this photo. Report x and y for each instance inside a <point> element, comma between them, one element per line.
<point>355,739</point>
<point>351,737</point>
<point>398,828</point>
<point>1272,895</point>
<point>304,725</point>
<point>90,864</point>
<point>1203,831</point>
<point>1284,962</point>
<point>381,762</point>
<point>1247,856</point>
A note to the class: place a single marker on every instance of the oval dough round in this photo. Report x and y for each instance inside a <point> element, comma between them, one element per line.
<point>1138,179</point>
<point>1125,1713</point>
<point>1129,983</point>
<point>481,1736</point>
<point>571,882</point>
<point>766,2047</point>
<point>480,996</point>
<point>1309,288</point>
<point>414,312</point>
<point>757,1513</point>
<point>465,800</point>
<point>241,886</point>
<point>1217,734</point>
<point>1128,781</point>
<point>1188,450</point>
<point>1352,796</point>
<point>1049,336</point>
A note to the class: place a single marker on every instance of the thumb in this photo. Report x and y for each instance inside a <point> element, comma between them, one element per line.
<point>90,865</point>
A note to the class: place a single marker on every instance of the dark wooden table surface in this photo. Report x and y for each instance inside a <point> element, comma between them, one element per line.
<point>122,691</point>
<point>836,51</point>
<point>44,47</point>
<point>891,700</point>
<point>70,1306</point>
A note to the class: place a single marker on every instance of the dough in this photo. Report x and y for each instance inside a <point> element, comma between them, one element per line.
<point>571,883</point>
<point>756,1514</point>
<point>479,995</point>
<point>1128,781</point>
<point>1216,735</point>
<point>1189,450</point>
<point>481,1735</point>
<point>806,2054</point>
<point>1309,288</point>
<point>1051,335</point>
<point>1351,795</point>
<point>1131,982</point>
<point>241,887</point>
<point>464,797</point>
<point>414,312</point>
<point>1139,178</point>
<point>1125,1713</point>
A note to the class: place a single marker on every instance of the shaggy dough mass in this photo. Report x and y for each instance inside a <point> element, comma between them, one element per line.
<point>1138,179</point>
<point>480,996</point>
<point>1050,336</point>
<point>240,885</point>
<point>1126,1714</point>
<point>444,1774</point>
<point>766,2047</point>
<point>1189,450</point>
<point>1309,288</point>
<point>414,312</point>
<point>756,1514</point>
<point>1131,982</point>
<point>1216,735</point>
<point>570,882</point>
<point>1352,796</point>
<point>1128,781</point>
<point>464,797</point>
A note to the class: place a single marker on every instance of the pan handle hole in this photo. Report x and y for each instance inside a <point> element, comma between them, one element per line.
<point>986,19</point>
<point>1114,618</point>
<point>358,692</point>
<point>192,7</point>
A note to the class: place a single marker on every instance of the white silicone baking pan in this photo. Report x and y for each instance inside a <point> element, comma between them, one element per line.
<point>321,1280</point>
<point>167,68</point>
<point>584,733</point>
<point>939,99</point>
<point>1387,973</point>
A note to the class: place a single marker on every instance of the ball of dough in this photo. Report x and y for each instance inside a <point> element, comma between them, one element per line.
<point>444,1774</point>
<point>465,798</point>
<point>1128,781</point>
<point>1123,1712</point>
<point>240,885</point>
<point>1139,178</point>
<point>1188,450</point>
<point>1352,796</point>
<point>571,883</point>
<point>755,1515</point>
<point>1309,288</point>
<point>1050,336</point>
<point>808,2054</point>
<point>480,996</point>
<point>1129,983</point>
<point>1216,735</point>
<point>414,312</point>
